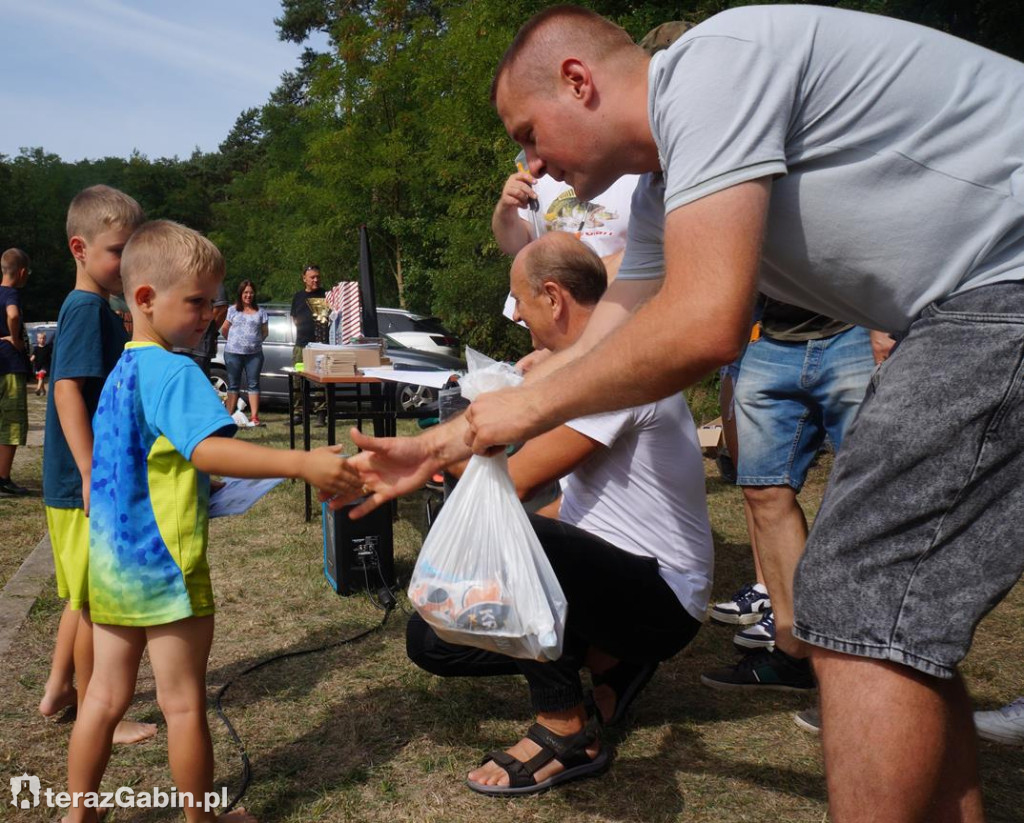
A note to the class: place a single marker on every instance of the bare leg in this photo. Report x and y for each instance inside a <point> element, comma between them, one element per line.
<point>254,402</point>
<point>6,460</point>
<point>561,723</point>
<point>118,651</point>
<point>781,532</point>
<point>60,685</point>
<point>231,401</point>
<point>758,571</point>
<point>127,731</point>
<point>179,652</point>
<point>899,745</point>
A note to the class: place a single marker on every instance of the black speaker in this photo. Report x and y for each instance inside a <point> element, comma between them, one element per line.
<point>358,554</point>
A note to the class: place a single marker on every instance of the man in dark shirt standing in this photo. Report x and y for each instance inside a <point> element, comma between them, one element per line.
<point>14,368</point>
<point>302,316</point>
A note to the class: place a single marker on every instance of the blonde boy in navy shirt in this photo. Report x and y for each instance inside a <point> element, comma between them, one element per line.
<point>88,341</point>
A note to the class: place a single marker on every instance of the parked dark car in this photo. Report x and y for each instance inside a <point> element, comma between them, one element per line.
<point>277,351</point>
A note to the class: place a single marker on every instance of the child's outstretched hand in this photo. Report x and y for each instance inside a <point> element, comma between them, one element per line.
<point>326,469</point>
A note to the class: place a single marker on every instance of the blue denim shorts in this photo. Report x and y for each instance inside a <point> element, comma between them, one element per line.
<point>248,364</point>
<point>918,536</point>
<point>790,396</point>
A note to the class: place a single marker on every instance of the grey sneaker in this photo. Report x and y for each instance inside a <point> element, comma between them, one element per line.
<point>809,720</point>
<point>759,636</point>
<point>745,607</point>
<point>1005,725</point>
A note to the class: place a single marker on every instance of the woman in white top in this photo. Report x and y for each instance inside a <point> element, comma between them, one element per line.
<point>245,329</point>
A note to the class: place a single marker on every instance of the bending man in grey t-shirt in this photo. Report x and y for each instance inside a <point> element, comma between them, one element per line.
<point>864,168</point>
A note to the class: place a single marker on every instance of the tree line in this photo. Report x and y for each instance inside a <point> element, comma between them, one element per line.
<point>389,126</point>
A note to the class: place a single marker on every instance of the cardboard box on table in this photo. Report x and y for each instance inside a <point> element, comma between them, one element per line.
<point>336,360</point>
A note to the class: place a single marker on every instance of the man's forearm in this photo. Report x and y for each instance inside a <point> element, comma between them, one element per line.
<point>446,443</point>
<point>510,230</point>
<point>623,371</point>
<point>696,322</point>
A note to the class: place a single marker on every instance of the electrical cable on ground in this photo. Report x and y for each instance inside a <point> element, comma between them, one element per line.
<point>387,601</point>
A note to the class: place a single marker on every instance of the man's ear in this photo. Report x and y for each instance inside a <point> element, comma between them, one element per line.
<point>77,245</point>
<point>144,296</point>
<point>576,74</point>
<point>556,299</point>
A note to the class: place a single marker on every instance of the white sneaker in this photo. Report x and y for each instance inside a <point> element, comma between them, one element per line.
<point>746,606</point>
<point>1005,725</point>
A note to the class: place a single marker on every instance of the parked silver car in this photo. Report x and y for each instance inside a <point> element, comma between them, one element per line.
<point>277,353</point>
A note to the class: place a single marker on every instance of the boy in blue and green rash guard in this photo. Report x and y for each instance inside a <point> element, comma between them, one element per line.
<point>160,429</point>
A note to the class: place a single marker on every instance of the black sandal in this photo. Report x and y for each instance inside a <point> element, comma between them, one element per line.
<point>570,750</point>
<point>627,680</point>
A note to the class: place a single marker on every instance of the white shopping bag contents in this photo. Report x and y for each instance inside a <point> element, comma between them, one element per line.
<point>482,578</point>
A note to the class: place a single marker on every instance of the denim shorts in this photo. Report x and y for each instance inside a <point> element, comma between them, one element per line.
<point>918,536</point>
<point>250,364</point>
<point>790,396</point>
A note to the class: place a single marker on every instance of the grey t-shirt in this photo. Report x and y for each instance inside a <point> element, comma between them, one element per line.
<point>896,152</point>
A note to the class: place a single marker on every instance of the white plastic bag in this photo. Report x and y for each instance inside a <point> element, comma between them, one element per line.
<point>482,578</point>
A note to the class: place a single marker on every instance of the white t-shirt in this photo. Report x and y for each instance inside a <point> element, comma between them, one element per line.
<point>896,152</point>
<point>602,223</point>
<point>645,494</point>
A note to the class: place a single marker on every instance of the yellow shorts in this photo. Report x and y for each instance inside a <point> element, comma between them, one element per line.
<point>69,536</point>
<point>13,410</point>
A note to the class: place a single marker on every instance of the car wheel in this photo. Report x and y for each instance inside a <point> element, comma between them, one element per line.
<point>220,384</point>
<point>415,398</point>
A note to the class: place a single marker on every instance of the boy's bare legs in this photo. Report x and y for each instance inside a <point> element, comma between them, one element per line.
<point>118,650</point>
<point>179,653</point>
<point>59,692</point>
<point>899,745</point>
<point>127,731</point>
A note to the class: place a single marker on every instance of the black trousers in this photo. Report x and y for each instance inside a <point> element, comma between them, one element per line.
<point>617,602</point>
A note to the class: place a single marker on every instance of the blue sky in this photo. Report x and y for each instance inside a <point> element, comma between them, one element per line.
<point>98,78</point>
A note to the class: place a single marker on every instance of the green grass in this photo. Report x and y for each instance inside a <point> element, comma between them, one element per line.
<point>356,733</point>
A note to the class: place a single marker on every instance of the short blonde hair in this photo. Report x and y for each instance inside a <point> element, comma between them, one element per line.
<point>101,208</point>
<point>162,252</point>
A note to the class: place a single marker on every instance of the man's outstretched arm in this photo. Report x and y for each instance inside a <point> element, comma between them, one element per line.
<point>393,466</point>
<point>697,321</point>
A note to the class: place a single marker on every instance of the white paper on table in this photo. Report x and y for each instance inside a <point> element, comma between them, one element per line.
<point>238,495</point>
<point>433,379</point>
